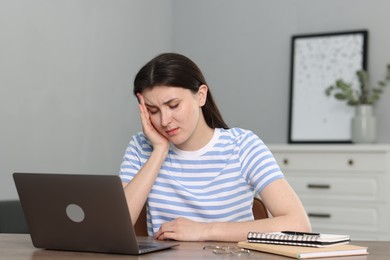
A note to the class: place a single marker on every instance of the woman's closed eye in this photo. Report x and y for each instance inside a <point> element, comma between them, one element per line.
<point>154,110</point>
<point>173,106</point>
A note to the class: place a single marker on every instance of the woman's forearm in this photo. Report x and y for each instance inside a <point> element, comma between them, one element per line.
<point>237,231</point>
<point>137,190</point>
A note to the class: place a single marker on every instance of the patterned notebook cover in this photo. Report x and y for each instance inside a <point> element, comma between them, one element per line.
<point>298,239</point>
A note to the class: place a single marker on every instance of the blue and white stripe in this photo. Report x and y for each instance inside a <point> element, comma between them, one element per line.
<point>215,183</point>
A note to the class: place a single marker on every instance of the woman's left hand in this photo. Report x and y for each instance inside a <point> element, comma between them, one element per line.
<point>183,229</point>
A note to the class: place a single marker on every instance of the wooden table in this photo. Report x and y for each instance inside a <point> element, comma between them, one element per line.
<point>19,246</point>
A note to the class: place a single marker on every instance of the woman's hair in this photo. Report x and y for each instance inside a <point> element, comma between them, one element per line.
<point>176,70</point>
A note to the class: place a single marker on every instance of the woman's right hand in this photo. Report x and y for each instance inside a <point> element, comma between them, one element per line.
<point>157,139</point>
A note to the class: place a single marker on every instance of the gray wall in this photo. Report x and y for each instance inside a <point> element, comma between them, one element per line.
<point>66,69</point>
<point>66,72</point>
<point>244,49</point>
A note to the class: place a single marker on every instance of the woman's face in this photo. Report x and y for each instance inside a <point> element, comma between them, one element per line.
<point>176,113</point>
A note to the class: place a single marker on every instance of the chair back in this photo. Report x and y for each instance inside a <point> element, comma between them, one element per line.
<point>12,218</point>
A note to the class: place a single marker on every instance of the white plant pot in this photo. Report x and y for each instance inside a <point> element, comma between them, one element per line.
<point>363,125</point>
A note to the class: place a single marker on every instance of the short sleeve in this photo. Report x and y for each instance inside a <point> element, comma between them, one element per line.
<point>259,166</point>
<point>136,154</point>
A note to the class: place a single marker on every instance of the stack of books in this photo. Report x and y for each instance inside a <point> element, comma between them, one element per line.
<point>302,245</point>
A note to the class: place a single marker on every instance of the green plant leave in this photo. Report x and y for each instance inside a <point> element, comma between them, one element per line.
<point>343,91</point>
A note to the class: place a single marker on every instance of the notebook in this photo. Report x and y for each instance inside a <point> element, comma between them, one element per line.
<point>80,213</point>
<point>298,238</point>
<point>302,252</point>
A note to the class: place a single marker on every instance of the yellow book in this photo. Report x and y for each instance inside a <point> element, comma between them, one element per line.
<point>301,252</point>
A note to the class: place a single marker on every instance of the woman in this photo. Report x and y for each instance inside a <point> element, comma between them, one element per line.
<point>197,176</point>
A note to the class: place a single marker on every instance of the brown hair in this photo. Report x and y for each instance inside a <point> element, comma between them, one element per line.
<point>172,69</point>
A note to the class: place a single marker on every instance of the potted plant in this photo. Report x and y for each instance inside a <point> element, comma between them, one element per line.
<point>363,124</point>
<point>366,95</point>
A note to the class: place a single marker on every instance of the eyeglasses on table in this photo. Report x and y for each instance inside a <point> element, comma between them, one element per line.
<point>227,250</point>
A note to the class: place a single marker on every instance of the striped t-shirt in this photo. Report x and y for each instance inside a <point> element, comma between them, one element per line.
<point>216,183</point>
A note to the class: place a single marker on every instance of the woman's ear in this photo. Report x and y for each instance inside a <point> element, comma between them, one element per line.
<point>203,89</point>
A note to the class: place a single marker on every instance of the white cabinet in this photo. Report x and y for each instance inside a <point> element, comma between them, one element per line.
<point>344,188</point>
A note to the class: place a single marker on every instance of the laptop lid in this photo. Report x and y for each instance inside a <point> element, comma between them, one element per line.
<point>79,213</point>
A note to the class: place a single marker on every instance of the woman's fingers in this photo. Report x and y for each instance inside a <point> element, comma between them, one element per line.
<point>145,119</point>
<point>148,128</point>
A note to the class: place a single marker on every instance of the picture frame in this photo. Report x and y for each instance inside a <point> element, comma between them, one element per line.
<point>317,61</point>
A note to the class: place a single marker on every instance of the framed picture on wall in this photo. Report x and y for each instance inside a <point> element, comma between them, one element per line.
<point>317,61</point>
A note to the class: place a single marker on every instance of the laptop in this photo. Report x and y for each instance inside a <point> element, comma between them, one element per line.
<point>80,213</point>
